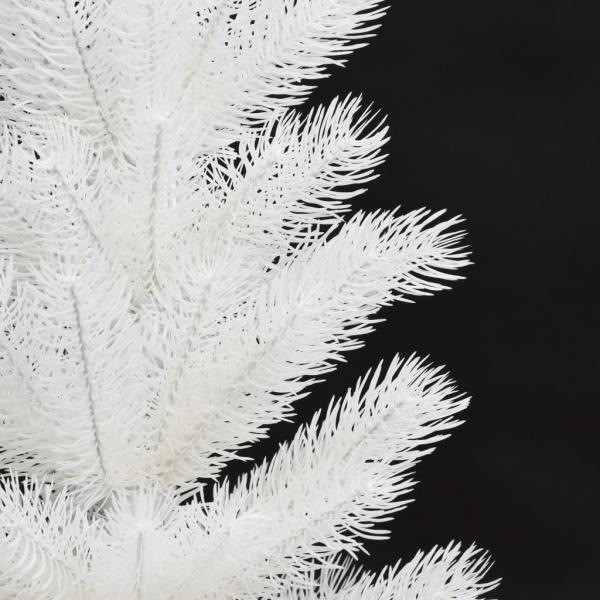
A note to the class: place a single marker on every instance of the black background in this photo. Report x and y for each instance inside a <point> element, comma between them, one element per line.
<point>494,113</point>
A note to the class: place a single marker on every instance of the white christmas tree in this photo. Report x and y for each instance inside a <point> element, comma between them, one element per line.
<point>177,268</point>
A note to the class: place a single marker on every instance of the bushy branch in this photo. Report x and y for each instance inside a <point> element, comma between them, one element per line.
<point>449,573</point>
<point>332,486</point>
<point>45,543</point>
<point>71,363</point>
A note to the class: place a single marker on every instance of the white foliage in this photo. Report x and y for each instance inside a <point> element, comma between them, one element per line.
<point>142,551</point>
<point>441,573</point>
<point>45,543</point>
<point>54,191</point>
<point>72,352</point>
<point>177,268</point>
<point>295,327</point>
<point>54,60</point>
<point>332,485</point>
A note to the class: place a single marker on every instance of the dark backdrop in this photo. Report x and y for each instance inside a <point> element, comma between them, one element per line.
<point>493,109</point>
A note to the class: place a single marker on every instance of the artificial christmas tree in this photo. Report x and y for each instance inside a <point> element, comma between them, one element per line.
<point>177,268</point>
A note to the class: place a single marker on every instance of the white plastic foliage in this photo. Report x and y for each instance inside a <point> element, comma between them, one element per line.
<point>76,414</point>
<point>333,484</point>
<point>177,268</point>
<point>45,544</point>
<point>441,573</point>
<point>294,328</point>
